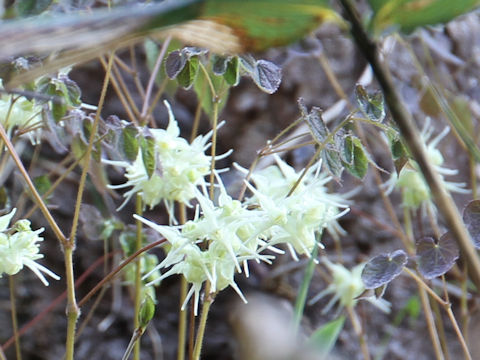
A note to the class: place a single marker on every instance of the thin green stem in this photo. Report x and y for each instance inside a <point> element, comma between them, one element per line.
<point>73,311</point>
<point>88,153</point>
<point>13,311</point>
<point>202,323</point>
<point>138,276</point>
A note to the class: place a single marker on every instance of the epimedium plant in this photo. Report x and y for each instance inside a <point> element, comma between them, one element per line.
<point>283,209</point>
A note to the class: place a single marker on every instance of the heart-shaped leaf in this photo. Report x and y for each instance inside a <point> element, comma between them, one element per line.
<point>175,63</point>
<point>383,268</point>
<point>219,64</point>
<point>436,258</point>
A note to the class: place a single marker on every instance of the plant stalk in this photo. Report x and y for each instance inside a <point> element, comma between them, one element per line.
<point>413,140</point>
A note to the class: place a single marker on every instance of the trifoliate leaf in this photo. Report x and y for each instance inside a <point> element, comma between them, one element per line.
<point>471,218</point>
<point>436,258</point>
<point>383,268</point>
<point>42,184</point>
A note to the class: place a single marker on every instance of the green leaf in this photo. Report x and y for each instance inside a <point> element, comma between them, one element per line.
<point>204,93</point>
<point>410,14</point>
<point>187,75</point>
<point>129,142</point>
<point>303,291</point>
<point>372,105</point>
<point>333,162</point>
<point>356,161</point>
<point>324,338</point>
<point>31,7</point>
<point>42,184</point>
<point>73,92</point>
<point>232,72</point>
<point>147,146</point>
<point>59,108</point>
<point>147,311</point>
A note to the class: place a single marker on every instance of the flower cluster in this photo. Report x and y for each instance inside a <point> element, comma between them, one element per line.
<point>223,237</point>
<point>295,218</point>
<point>19,248</point>
<point>181,167</point>
<point>414,188</point>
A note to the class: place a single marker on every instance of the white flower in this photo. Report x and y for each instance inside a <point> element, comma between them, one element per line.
<point>181,167</point>
<point>18,111</point>
<point>21,249</point>
<point>414,188</point>
<point>346,287</point>
<point>295,219</point>
<point>228,237</point>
